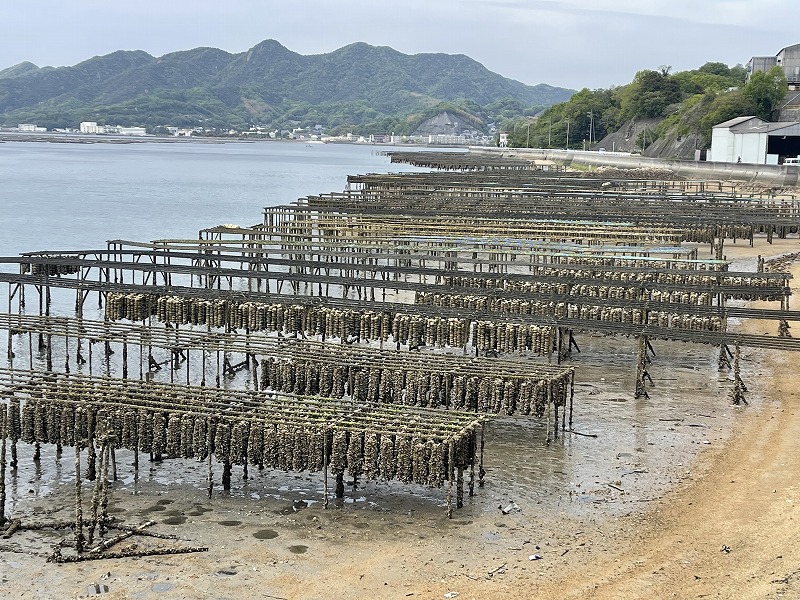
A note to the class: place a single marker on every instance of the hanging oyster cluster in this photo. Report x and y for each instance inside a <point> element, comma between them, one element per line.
<point>289,434</point>
<point>646,288</point>
<point>51,269</point>
<point>306,320</point>
<point>486,394</point>
<point>572,310</point>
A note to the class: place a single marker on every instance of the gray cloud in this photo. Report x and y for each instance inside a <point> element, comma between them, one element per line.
<point>570,43</point>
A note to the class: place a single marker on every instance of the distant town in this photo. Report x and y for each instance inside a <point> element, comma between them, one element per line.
<point>467,137</point>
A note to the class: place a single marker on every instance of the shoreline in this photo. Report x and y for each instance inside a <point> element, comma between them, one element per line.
<point>77,138</point>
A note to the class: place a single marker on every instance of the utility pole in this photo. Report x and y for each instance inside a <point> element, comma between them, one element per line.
<point>567,134</point>
<point>591,127</point>
<point>528,143</point>
<point>549,130</point>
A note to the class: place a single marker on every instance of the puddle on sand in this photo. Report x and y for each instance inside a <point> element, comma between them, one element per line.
<point>265,534</point>
<point>298,549</point>
<point>176,520</point>
<point>229,523</point>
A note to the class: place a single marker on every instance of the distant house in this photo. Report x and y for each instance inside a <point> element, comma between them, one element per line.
<point>755,141</point>
<point>447,140</point>
<point>787,59</point>
<point>504,139</point>
<point>92,127</point>
<point>30,128</point>
<point>132,131</point>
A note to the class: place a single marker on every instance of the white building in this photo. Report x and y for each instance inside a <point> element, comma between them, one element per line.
<point>132,131</point>
<point>31,128</point>
<point>447,140</point>
<point>754,141</point>
<point>92,127</point>
<point>787,59</point>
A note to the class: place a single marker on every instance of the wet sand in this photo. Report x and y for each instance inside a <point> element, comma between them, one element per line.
<point>642,511</point>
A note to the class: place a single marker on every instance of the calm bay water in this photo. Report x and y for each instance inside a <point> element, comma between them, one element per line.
<point>67,196</point>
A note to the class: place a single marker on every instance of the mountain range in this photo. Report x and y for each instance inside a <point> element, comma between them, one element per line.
<point>357,86</point>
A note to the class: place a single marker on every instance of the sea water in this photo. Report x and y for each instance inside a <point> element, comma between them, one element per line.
<point>79,195</point>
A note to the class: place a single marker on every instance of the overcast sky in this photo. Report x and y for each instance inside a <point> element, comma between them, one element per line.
<point>567,43</point>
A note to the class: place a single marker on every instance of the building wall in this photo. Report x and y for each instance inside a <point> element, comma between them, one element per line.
<point>751,147</point>
<point>789,60</point>
<point>727,146</point>
<point>760,64</point>
<point>132,131</point>
<point>722,145</point>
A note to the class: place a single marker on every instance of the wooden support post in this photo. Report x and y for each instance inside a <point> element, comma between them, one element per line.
<point>481,470</point>
<point>226,476</point>
<point>124,360</point>
<point>49,357</point>
<point>723,362</point>
<point>3,436</point>
<point>13,417</point>
<point>91,458</point>
<point>450,476</point>
<point>79,540</point>
<point>210,452</point>
<point>472,477</point>
<point>104,488</point>
<point>325,467</point>
<point>460,487</point>
<point>641,371</point>
<point>555,421</point>
<point>739,388</point>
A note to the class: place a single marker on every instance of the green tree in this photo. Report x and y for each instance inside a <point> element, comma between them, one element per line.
<point>766,90</point>
<point>723,108</point>
<point>716,68</point>
<point>649,94</point>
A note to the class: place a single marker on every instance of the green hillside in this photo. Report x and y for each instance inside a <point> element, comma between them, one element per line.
<point>355,87</point>
<point>659,113</point>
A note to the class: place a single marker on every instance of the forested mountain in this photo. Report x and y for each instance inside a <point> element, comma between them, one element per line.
<point>358,86</point>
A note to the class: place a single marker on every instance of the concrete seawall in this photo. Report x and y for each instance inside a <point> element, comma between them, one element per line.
<point>769,175</point>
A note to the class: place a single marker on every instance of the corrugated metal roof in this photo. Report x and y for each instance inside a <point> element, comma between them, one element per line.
<point>731,122</point>
<point>765,127</point>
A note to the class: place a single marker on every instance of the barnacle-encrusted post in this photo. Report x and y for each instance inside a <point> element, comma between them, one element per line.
<point>3,435</point>
<point>78,508</point>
